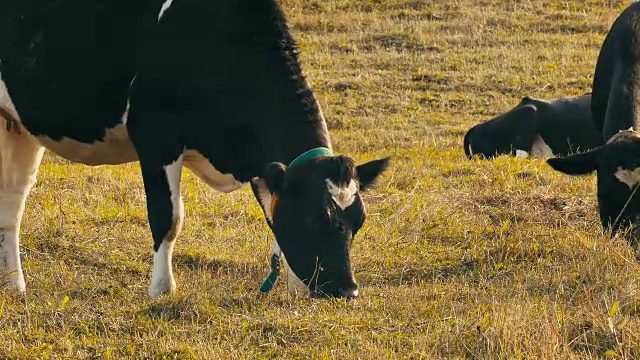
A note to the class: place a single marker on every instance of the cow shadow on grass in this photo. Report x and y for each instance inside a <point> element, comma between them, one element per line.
<point>124,270</point>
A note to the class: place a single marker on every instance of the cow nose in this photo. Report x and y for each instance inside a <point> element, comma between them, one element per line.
<point>350,293</point>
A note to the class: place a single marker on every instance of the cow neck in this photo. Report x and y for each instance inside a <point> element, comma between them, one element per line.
<point>268,284</point>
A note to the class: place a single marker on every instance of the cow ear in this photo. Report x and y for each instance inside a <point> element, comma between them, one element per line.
<point>578,164</point>
<point>274,176</point>
<point>467,143</point>
<point>369,172</point>
<point>526,100</point>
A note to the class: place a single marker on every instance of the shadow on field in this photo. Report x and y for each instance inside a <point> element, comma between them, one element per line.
<point>418,273</point>
<point>206,262</point>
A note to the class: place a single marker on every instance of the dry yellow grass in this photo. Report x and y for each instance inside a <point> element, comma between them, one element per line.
<point>458,259</point>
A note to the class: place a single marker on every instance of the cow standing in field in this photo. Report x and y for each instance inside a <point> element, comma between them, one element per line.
<point>616,112</point>
<point>536,128</point>
<point>215,86</point>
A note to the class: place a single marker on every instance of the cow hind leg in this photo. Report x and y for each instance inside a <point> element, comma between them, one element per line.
<point>20,156</point>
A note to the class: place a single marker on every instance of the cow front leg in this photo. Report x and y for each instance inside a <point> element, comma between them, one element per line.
<point>20,156</point>
<point>166,212</point>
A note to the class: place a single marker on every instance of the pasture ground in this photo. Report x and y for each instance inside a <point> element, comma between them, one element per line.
<point>495,259</point>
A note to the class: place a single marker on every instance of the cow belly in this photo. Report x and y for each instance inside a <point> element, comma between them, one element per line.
<point>115,148</point>
<point>204,170</point>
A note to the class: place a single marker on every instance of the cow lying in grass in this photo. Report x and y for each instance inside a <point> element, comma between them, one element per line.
<point>616,113</point>
<point>215,86</point>
<point>536,128</point>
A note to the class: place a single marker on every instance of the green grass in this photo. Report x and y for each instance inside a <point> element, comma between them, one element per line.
<point>458,259</point>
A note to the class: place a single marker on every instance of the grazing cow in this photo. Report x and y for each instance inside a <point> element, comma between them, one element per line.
<point>215,86</point>
<point>536,128</point>
<point>616,112</point>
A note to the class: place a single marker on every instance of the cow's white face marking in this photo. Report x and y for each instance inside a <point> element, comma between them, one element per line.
<point>343,196</point>
<point>203,169</point>
<point>162,281</point>
<point>521,154</point>
<point>165,6</point>
<point>540,149</point>
<point>628,177</point>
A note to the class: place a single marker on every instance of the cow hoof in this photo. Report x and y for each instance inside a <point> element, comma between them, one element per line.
<point>162,288</point>
<point>13,282</point>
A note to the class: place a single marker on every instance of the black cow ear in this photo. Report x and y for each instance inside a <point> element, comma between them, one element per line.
<point>578,164</point>
<point>526,100</point>
<point>274,176</point>
<point>467,143</point>
<point>369,172</point>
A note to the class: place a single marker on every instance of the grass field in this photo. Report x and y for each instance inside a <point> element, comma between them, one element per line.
<point>495,259</point>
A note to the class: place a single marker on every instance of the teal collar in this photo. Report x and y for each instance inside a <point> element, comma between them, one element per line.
<point>308,155</point>
<point>275,258</point>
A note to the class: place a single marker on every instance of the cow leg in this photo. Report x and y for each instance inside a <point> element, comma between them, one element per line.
<point>166,212</point>
<point>20,156</point>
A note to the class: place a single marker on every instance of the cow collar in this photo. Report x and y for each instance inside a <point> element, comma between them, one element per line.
<point>275,249</point>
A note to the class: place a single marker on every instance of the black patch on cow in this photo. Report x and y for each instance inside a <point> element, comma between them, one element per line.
<point>68,63</point>
<point>616,75</point>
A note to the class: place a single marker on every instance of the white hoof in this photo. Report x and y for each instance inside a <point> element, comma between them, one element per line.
<point>13,282</point>
<point>161,288</point>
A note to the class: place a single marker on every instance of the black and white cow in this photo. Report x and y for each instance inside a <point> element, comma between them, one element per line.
<point>215,86</point>
<point>616,112</point>
<point>536,128</point>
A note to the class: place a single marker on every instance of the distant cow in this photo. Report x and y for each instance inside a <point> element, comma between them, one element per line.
<point>536,128</point>
<point>616,112</point>
<point>215,86</point>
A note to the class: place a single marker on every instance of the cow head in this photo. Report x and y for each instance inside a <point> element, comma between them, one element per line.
<point>504,134</point>
<point>617,164</point>
<point>315,210</point>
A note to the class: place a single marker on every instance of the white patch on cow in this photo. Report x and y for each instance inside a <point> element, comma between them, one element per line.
<point>521,154</point>
<point>540,149</point>
<point>343,196</point>
<point>115,148</point>
<point>174,173</point>
<point>162,281</point>
<point>203,169</point>
<point>294,284</point>
<point>275,248</point>
<point>20,156</point>
<point>164,8</point>
<point>125,116</point>
<point>628,177</point>
<point>264,197</point>
<point>11,209</point>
